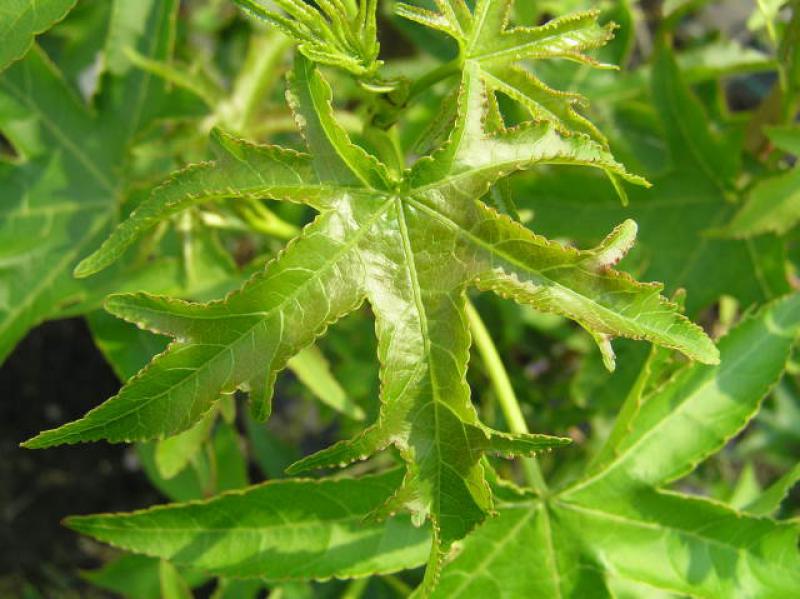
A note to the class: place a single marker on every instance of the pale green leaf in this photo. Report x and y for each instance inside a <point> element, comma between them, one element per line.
<point>313,370</point>
<point>173,454</point>
<point>769,501</point>
<point>280,530</point>
<point>785,138</point>
<point>773,206</point>
<point>331,32</point>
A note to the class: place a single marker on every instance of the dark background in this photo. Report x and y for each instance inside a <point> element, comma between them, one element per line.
<point>55,375</point>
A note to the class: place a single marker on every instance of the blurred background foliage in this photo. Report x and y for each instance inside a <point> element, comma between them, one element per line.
<point>707,153</point>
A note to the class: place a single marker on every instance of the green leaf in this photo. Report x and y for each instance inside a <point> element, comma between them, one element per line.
<point>246,342</point>
<point>280,530</point>
<point>770,500</point>
<point>242,171</point>
<point>615,523</point>
<point>773,204</point>
<point>136,577</point>
<point>691,197</point>
<point>22,20</point>
<point>704,406</point>
<point>785,138</point>
<point>230,463</point>
<point>410,248</point>
<point>773,207</point>
<point>313,370</point>
<point>498,50</point>
<point>228,588</point>
<point>692,144</point>
<point>63,192</point>
<point>174,453</point>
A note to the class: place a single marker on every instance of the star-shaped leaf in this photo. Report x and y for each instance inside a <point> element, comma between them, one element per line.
<point>689,198</point>
<point>616,523</point>
<point>411,248</point>
<point>500,50</point>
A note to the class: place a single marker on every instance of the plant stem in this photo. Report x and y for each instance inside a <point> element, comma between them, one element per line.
<point>433,77</point>
<point>504,391</point>
<point>260,73</point>
<point>398,585</point>
<point>356,588</point>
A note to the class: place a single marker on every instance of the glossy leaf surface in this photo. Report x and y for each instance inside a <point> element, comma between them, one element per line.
<point>409,247</point>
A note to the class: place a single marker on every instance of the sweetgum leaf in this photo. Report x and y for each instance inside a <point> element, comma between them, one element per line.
<point>574,541</point>
<point>411,248</point>
<point>22,20</point>
<point>242,171</point>
<point>487,39</point>
<point>599,527</point>
<point>279,530</point>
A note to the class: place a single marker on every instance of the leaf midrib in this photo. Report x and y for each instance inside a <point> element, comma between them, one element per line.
<point>492,250</point>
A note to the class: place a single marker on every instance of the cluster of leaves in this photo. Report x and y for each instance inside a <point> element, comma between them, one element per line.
<point>421,184</point>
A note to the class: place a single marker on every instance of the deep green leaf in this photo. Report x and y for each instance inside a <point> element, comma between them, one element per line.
<point>64,191</point>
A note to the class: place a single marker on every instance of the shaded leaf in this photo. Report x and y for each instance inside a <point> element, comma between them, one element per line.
<point>63,193</point>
